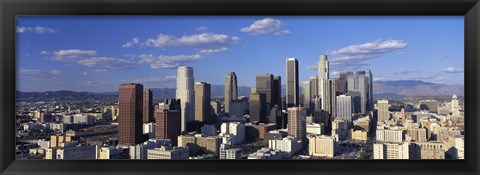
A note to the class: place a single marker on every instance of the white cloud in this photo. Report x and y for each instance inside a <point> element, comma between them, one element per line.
<point>404,71</point>
<point>452,70</point>
<point>36,29</point>
<point>200,41</point>
<point>266,26</point>
<point>100,71</point>
<point>167,61</point>
<point>235,39</point>
<point>84,73</point>
<point>89,58</point>
<point>157,79</point>
<point>55,72</point>
<point>210,51</point>
<point>202,28</point>
<point>131,43</point>
<point>35,74</point>
<point>427,76</point>
<point>44,52</point>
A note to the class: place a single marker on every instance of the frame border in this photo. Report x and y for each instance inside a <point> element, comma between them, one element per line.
<point>470,9</point>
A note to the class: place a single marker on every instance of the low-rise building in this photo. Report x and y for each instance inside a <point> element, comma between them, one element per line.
<point>175,153</point>
<point>321,146</point>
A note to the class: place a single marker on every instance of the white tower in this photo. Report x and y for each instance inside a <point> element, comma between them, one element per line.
<point>186,94</point>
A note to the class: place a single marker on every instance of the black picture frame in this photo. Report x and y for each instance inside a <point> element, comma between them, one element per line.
<point>470,9</point>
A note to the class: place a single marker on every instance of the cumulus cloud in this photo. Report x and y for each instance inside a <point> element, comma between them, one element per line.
<point>202,41</point>
<point>266,26</point>
<point>36,29</point>
<point>452,70</point>
<point>89,58</point>
<point>167,61</point>
<point>131,43</point>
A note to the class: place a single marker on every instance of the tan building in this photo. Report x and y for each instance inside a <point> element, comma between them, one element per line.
<point>321,145</point>
<point>297,126</point>
<point>163,152</point>
<point>56,140</point>
<point>202,102</point>
<point>417,134</point>
<point>391,150</point>
<point>383,113</point>
<point>427,150</point>
<point>199,144</point>
<point>358,135</point>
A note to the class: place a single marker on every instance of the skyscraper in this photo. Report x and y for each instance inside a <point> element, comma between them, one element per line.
<point>313,86</point>
<point>363,89</point>
<point>297,125</point>
<point>383,113</point>
<point>344,107</point>
<point>202,102</point>
<point>292,83</point>
<point>147,106</point>
<point>306,96</point>
<point>324,84</point>
<point>264,85</point>
<point>277,91</point>
<point>231,91</point>
<point>186,94</point>
<point>168,121</point>
<point>130,102</point>
<point>342,83</point>
<point>370,105</point>
<point>258,111</point>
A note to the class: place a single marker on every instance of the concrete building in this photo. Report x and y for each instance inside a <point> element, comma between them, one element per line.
<point>258,110</point>
<point>383,113</point>
<point>168,120</point>
<point>255,131</point>
<point>391,150</point>
<point>288,144</point>
<point>427,150</point>
<point>277,91</point>
<point>297,125</point>
<point>267,153</point>
<point>216,106</point>
<point>130,99</point>
<point>148,116</point>
<point>316,128</point>
<point>429,105</point>
<point>86,152</point>
<point>209,130</point>
<point>233,153</point>
<point>109,152</point>
<point>344,107</point>
<point>236,130</point>
<point>139,151</point>
<point>175,153</point>
<point>292,93</point>
<point>359,134</point>
<point>389,135</point>
<point>417,134</point>
<point>231,91</point>
<point>455,107</point>
<point>321,146</point>
<point>307,98</point>
<point>186,94</point>
<point>264,85</point>
<point>340,129</point>
<point>199,144</point>
<point>202,103</point>
<point>57,140</point>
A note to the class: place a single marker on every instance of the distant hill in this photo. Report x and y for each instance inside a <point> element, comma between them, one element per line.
<point>409,88</point>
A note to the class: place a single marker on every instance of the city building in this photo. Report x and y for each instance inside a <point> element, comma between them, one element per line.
<point>277,91</point>
<point>455,108</point>
<point>231,91</point>
<point>391,150</point>
<point>85,152</point>
<point>417,134</point>
<point>258,110</point>
<point>254,131</point>
<point>57,140</point>
<point>264,85</point>
<point>235,130</point>
<point>175,153</point>
<point>316,128</point>
<point>209,130</point>
<point>359,134</point>
<point>267,153</point>
<point>130,101</point>
<point>168,120</point>
<point>297,125</point>
<point>186,94</point>
<point>427,150</point>
<point>233,153</point>
<point>287,144</point>
<point>340,129</point>
<point>292,83</point>
<point>321,146</point>
<point>383,113</point>
<point>109,152</point>
<point>216,106</point>
<point>389,135</point>
<point>344,107</point>
<point>139,151</point>
<point>429,105</point>
<point>202,102</point>
<point>199,144</point>
<point>148,116</point>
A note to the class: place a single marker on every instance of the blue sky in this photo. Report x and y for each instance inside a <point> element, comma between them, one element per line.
<point>97,54</point>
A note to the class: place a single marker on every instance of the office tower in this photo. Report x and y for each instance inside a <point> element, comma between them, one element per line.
<point>344,107</point>
<point>426,150</point>
<point>370,105</point>
<point>297,125</point>
<point>287,144</point>
<point>363,89</point>
<point>257,107</point>
<point>216,106</point>
<point>202,102</point>
<point>306,96</point>
<point>284,103</point>
<point>342,83</point>
<point>455,106</point>
<point>186,94</point>
<point>264,85</point>
<point>391,150</point>
<point>313,86</point>
<point>355,101</point>
<point>168,120</point>
<point>130,102</point>
<point>429,105</point>
<point>147,106</point>
<point>325,95</point>
<point>325,85</point>
<point>277,91</point>
<point>292,83</point>
<point>276,116</point>
<point>351,82</point>
<point>383,113</point>
<point>231,91</point>
<point>235,131</point>
<point>321,145</point>
<point>323,67</point>
<point>332,97</point>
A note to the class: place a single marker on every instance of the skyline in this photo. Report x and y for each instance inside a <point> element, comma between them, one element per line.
<point>149,55</point>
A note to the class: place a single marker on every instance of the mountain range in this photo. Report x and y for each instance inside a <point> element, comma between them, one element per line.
<point>400,88</point>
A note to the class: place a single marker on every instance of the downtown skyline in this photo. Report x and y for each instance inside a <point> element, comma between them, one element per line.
<point>98,53</point>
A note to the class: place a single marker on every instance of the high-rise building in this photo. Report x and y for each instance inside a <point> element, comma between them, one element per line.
<point>186,94</point>
<point>277,91</point>
<point>361,82</point>
<point>370,105</point>
<point>306,96</point>
<point>363,89</point>
<point>297,125</point>
<point>168,121</point>
<point>391,150</point>
<point>342,87</point>
<point>147,106</point>
<point>258,111</point>
<point>321,145</point>
<point>351,82</point>
<point>130,101</point>
<point>231,91</point>
<point>344,107</point>
<point>332,96</point>
<point>202,102</point>
<point>324,85</point>
<point>383,113</point>
<point>429,105</point>
<point>313,87</point>
<point>455,106</point>
<point>264,85</point>
<point>292,83</point>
